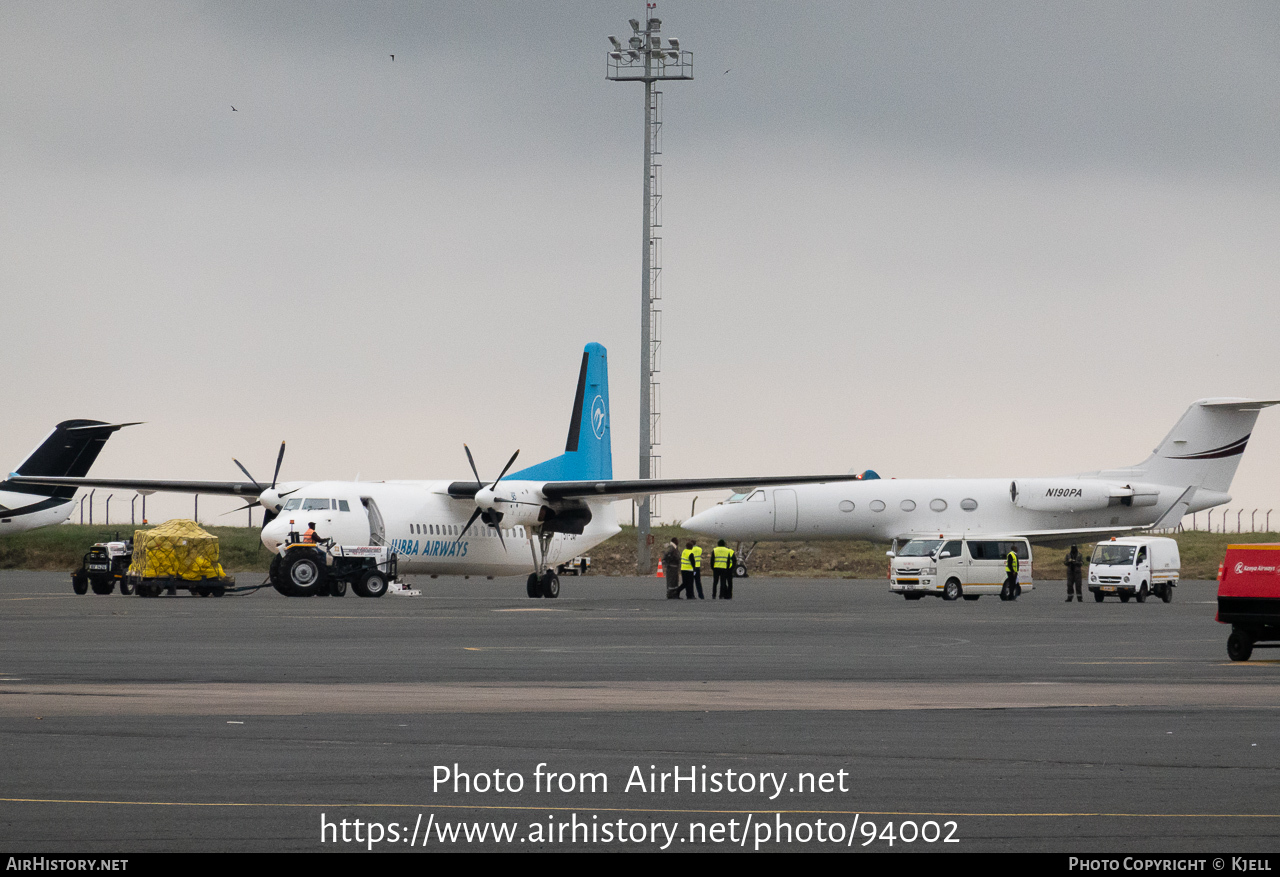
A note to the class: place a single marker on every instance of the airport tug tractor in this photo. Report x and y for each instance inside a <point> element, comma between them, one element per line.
<point>320,569</point>
<point>1249,598</point>
<point>104,566</point>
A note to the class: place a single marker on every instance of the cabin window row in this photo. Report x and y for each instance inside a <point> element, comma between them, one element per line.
<point>909,505</point>
<point>456,530</point>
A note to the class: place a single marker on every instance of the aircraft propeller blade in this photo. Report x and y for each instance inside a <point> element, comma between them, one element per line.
<point>477,513</point>
<point>472,461</point>
<point>504,470</point>
<point>251,505</point>
<point>275,474</point>
<point>246,473</point>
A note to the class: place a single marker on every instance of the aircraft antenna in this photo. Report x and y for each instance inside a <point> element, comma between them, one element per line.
<point>644,58</point>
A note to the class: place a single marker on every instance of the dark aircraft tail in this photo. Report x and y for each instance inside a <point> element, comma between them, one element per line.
<point>68,451</point>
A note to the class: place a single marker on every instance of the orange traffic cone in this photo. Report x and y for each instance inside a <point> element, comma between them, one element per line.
<point>660,574</point>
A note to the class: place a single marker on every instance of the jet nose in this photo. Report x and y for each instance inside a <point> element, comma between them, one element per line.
<point>705,523</point>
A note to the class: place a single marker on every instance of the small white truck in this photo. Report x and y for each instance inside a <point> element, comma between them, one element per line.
<point>1134,566</point>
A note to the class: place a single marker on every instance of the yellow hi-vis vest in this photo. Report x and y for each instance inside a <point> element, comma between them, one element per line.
<point>686,560</point>
<point>721,557</point>
<point>697,557</point>
<point>1011,562</point>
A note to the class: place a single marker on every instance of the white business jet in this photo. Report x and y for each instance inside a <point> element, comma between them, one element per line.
<point>559,507</point>
<point>1190,471</point>
<point>67,451</point>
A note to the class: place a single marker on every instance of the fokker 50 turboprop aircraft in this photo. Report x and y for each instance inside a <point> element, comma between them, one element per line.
<point>67,451</point>
<point>1190,471</point>
<point>560,507</point>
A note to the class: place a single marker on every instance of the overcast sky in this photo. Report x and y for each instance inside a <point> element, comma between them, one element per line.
<point>931,239</point>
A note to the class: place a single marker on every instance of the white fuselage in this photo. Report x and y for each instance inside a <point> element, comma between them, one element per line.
<point>423,524</point>
<point>15,518</point>
<point>885,509</point>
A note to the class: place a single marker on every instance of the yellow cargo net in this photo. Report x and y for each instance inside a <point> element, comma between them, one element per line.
<point>176,549</point>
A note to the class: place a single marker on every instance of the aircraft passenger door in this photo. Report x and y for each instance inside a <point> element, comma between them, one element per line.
<point>377,529</point>
<point>785,510</point>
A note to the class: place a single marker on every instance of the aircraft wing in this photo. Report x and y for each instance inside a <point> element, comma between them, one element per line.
<point>638,488</point>
<point>228,488</point>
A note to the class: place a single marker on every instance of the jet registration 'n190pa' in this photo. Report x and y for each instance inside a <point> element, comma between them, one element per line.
<point>1191,470</point>
<point>559,506</point>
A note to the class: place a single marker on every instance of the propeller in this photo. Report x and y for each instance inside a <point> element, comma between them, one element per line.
<point>268,514</point>
<point>492,518</point>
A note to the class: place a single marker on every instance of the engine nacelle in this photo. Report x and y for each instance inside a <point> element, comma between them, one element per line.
<point>1078,495</point>
<point>514,502</point>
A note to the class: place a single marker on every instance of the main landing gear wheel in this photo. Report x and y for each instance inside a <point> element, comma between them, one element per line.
<point>304,574</point>
<point>550,585</point>
<point>951,591</point>
<point>531,586</point>
<point>1239,646</point>
<point>372,584</point>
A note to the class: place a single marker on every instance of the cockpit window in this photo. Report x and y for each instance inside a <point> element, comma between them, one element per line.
<point>315,504</point>
<point>292,504</point>
<point>757,496</point>
<point>342,506</point>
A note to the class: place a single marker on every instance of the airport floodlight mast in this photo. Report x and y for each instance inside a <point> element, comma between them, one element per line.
<point>645,59</point>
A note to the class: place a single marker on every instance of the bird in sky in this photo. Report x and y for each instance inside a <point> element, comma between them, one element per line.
<point>233,109</point>
<point>727,71</point>
<point>393,57</point>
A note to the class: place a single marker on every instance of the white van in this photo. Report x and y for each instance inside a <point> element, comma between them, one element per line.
<point>951,567</point>
<point>1135,566</point>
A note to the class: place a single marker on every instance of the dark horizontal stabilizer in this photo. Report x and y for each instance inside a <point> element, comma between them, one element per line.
<point>647,487</point>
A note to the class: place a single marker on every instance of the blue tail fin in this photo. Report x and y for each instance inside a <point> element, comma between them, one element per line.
<point>588,453</point>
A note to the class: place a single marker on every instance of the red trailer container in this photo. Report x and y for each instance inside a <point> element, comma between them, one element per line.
<point>1249,597</point>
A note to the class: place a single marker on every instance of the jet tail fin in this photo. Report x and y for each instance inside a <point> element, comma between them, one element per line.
<point>588,453</point>
<point>68,451</point>
<point>1205,447</point>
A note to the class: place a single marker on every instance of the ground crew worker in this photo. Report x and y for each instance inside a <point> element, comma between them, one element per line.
<point>310,535</point>
<point>1011,589</point>
<point>1074,562</point>
<point>671,568</point>
<point>722,571</point>
<point>697,568</point>
<point>686,570</point>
